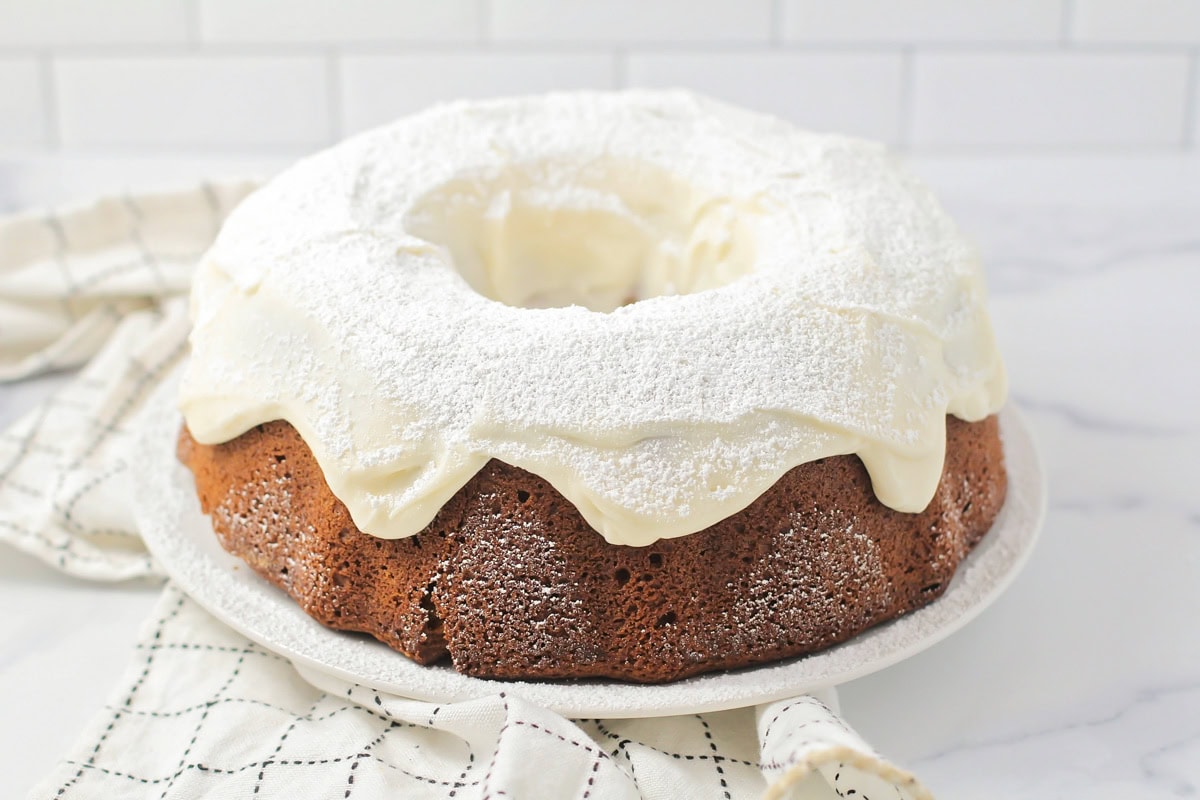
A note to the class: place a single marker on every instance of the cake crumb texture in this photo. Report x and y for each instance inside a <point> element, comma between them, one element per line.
<point>509,581</point>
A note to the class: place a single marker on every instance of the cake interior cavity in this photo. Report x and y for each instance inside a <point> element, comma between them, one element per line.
<point>551,234</point>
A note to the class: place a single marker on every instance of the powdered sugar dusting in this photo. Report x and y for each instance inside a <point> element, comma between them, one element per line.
<point>831,308</point>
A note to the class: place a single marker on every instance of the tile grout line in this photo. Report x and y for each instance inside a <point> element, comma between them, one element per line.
<point>333,95</point>
<point>218,50</point>
<point>1066,25</point>
<point>620,58</point>
<point>192,24</point>
<point>907,91</point>
<point>50,112</point>
<point>1027,150</point>
<point>1191,103</point>
<point>485,23</point>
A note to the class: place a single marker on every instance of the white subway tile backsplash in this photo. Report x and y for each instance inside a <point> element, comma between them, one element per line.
<point>193,101</point>
<point>1193,106</point>
<point>1048,99</point>
<point>917,21</point>
<point>855,93</point>
<point>339,21</point>
<point>1136,21</point>
<point>22,113</point>
<point>630,21</point>
<point>377,89</point>
<point>37,23</point>
<point>280,76</point>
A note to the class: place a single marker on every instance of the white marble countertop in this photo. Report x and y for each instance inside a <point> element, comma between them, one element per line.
<point>1082,681</point>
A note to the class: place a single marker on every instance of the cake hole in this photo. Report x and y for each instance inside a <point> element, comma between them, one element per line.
<point>279,458</point>
<point>621,576</point>
<point>427,598</point>
<point>665,620</point>
<point>933,587</point>
<point>656,559</point>
<point>553,234</point>
<point>522,496</point>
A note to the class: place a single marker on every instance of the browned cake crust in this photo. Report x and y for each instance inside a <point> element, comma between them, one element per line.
<point>509,581</point>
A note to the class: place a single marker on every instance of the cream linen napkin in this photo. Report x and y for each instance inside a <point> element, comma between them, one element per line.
<point>202,711</point>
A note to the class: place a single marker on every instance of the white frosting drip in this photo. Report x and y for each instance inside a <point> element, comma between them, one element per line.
<point>823,304</point>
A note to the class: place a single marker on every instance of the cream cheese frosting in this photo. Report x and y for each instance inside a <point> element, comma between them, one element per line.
<point>656,302</point>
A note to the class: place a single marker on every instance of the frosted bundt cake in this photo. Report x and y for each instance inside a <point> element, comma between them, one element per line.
<point>633,385</point>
